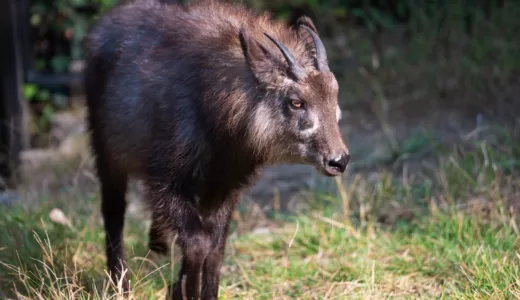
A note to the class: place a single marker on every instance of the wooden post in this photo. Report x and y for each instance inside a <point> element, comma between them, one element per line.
<point>13,134</point>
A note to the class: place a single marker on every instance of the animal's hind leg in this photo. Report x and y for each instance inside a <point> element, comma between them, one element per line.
<point>158,241</point>
<point>113,207</point>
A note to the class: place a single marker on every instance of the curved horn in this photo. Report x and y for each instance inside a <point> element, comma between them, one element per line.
<point>294,68</point>
<point>321,55</point>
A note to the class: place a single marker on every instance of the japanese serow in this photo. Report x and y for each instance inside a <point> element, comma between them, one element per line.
<point>195,100</point>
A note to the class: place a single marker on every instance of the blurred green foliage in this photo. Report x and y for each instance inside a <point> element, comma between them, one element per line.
<point>66,21</point>
<point>59,26</point>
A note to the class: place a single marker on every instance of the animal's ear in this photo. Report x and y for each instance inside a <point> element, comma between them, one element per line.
<point>259,59</point>
<point>304,20</point>
<point>254,52</point>
<point>305,29</point>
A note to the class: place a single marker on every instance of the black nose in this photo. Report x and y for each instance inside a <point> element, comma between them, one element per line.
<point>340,162</point>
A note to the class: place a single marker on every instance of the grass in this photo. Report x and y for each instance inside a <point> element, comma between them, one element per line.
<point>447,233</point>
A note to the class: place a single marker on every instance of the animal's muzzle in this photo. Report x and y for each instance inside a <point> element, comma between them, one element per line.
<point>337,164</point>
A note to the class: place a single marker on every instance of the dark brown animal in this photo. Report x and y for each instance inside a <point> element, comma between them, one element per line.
<point>195,100</point>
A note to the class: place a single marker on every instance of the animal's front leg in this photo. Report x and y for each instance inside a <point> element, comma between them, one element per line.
<point>217,222</point>
<point>183,218</point>
<point>195,247</point>
<point>195,244</point>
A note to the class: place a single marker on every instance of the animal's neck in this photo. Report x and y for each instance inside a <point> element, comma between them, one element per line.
<point>228,169</point>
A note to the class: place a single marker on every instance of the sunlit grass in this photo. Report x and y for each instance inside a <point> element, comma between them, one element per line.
<point>445,233</point>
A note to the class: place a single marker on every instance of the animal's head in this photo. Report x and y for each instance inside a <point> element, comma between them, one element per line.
<point>296,117</point>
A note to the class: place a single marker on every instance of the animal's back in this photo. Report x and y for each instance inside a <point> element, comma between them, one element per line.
<point>150,67</point>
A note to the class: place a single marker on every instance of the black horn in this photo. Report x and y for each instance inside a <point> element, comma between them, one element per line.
<point>321,55</point>
<point>294,68</point>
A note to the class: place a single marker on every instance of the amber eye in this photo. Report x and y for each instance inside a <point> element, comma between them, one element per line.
<point>297,104</point>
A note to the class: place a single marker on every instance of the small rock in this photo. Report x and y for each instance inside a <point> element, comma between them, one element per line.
<point>57,216</point>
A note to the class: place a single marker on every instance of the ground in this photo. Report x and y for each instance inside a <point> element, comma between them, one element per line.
<point>426,210</point>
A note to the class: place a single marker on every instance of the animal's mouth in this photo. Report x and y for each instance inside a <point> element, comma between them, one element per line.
<point>329,171</point>
<point>327,167</point>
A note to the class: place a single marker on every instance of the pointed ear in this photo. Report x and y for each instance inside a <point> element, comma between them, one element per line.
<point>259,59</point>
<point>304,20</point>
<point>304,34</point>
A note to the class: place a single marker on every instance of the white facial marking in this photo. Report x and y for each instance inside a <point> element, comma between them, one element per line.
<point>261,126</point>
<point>315,125</point>
<point>262,131</point>
<point>338,113</point>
